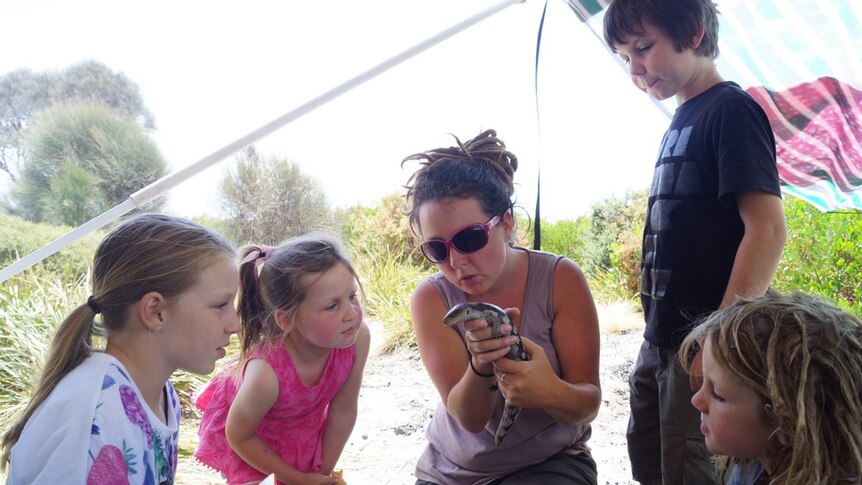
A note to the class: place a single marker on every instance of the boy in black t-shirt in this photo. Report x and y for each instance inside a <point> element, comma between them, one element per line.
<point>715,222</point>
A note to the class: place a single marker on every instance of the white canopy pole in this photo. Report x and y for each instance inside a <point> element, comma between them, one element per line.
<point>169,181</point>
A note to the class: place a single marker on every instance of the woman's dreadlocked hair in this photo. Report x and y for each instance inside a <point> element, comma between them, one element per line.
<point>481,168</point>
<point>803,356</point>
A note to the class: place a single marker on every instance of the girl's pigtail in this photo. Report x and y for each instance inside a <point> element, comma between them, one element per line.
<point>72,344</point>
<point>250,305</point>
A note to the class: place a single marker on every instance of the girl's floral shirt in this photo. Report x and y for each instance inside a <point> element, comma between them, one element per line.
<point>95,428</point>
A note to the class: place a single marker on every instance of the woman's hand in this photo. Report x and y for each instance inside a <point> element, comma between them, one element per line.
<point>521,382</point>
<point>484,348</point>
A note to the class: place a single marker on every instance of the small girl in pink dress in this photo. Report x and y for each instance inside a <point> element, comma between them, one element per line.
<point>290,403</point>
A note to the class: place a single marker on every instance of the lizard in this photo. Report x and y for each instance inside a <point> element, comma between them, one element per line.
<point>495,316</point>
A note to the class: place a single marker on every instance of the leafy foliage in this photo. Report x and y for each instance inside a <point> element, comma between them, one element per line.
<point>616,228</point>
<point>83,159</point>
<point>267,200</point>
<point>25,93</point>
<point>567,238</point>
<point>383,229</point>
<point>19,238</point>
<point>606,245</point>
<point>822,254</point>
<point>73,198</point>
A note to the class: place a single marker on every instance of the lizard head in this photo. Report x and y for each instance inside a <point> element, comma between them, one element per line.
<point>471,310</point>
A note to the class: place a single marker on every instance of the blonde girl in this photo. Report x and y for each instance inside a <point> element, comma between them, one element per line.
<point>290,404</point>
<point>164,290</point>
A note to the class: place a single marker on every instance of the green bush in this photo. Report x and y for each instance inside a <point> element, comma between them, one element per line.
<point>383,229</point>
<point>823,254</point>
<point>612,246</point>
<point>19,238</point>
<point>567,238</point>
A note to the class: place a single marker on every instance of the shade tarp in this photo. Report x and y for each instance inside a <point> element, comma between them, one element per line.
<point>801,61</point>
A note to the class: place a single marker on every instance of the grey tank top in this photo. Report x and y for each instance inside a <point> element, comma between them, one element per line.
<point>455,456</point>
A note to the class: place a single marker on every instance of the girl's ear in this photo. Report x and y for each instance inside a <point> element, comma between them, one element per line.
<point>151,310</point>
<point>284,320</point>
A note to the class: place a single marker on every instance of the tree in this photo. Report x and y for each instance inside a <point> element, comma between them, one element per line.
<point>267,200</point>
<point>81,160</point>
<point>616,225</point>
<point>24,93</point>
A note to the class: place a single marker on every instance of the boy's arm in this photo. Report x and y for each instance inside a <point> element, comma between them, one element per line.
<point>759,251</point>
<point>343,408</point>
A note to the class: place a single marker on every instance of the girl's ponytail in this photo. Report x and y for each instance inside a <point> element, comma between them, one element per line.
<point>250,304</point>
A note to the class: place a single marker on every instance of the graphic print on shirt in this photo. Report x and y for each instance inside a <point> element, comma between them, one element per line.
<point>116,459</point>
<point>673,178</point>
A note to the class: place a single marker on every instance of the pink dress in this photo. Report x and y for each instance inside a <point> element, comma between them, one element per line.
<point>293,427</point>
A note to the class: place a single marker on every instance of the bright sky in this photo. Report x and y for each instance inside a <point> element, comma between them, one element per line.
<point>213,71</point>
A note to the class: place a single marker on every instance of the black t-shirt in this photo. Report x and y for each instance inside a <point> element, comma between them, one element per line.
<point>718,143</point>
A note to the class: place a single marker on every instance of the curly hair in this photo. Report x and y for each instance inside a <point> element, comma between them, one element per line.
<point>803,357</point>
<point>481,168</point>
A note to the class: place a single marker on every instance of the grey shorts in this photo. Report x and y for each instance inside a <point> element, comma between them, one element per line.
<point>560,469</point>
<point>664,439</point>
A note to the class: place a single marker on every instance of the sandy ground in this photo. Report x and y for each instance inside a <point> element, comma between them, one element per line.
<point>397,399</point>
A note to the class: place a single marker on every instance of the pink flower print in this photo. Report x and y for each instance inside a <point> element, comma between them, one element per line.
<point>109,468</point>
<point>135,412</point>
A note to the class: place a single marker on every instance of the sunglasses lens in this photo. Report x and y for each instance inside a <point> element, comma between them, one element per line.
<point>470,239</point>
<point>435,251</point>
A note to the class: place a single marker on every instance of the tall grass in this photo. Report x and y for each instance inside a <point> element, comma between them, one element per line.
<point>388,281</point>
<point>31,307</point>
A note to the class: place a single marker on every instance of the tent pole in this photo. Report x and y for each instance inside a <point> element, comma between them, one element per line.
<point>169,181</point>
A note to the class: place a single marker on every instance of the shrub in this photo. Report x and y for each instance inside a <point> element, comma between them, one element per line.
<point>613,247</point>
<point>567,238</point>
<point>382,229</point>
<point>19,238</point>
<point>822,254</point>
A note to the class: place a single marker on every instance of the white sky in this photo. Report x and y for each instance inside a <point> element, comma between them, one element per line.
<point>213,71</point>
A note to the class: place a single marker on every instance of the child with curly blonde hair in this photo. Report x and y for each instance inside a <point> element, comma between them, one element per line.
<point>781,398</point>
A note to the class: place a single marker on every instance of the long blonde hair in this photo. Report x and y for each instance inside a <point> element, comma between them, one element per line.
<point>147,252</point>
<point>803,356</point>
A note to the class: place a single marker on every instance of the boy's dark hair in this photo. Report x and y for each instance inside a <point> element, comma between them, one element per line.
<point>681,20</point>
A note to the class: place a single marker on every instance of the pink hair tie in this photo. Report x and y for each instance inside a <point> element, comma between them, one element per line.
<point>252,256</point>
<point>266,251</point>
<point>257,254</point>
